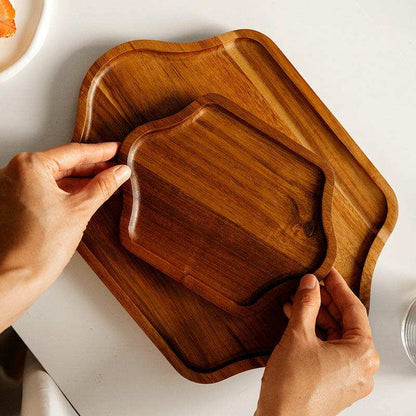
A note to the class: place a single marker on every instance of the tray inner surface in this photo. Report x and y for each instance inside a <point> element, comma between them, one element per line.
<point>140,81</point>
<point>224,207</point>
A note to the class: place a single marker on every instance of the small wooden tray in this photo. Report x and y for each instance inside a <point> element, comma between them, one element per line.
<point>141,81</point>
<point>225,204</point>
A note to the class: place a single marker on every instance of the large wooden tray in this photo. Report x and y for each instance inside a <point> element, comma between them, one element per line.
<point>140,81</point>
<point>225,204</point>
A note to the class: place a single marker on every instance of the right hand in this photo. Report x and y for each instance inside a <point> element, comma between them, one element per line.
<point>310,376</point>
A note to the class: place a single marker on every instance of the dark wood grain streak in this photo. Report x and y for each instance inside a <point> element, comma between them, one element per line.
<point>141,81</point>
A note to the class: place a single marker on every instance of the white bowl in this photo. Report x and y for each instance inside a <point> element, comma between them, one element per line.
<point>32,23</point>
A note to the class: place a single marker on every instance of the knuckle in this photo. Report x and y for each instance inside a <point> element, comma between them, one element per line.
<point>369,359</point>
<point>367,387</point>
<point>363,387</point>
<point>367,342</point>
<point>293,333</point>
<point>372,363</point>
<point>106,185</point>
<point>48,163</point>
<point>306,298</point>
<point>21,159</point>
<point>24,162</point>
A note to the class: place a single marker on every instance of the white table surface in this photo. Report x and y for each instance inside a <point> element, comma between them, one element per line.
<point>358,56</point>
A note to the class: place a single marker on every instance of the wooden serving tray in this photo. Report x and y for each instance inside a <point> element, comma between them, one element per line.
<point>141,81</point>
<point>225,204</point>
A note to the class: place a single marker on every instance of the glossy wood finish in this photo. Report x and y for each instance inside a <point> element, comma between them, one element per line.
<point>141,81</point>
<point>225,204</point>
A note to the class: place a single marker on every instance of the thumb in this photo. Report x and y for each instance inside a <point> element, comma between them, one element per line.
<point>306,304</point>
<point>103,185</point>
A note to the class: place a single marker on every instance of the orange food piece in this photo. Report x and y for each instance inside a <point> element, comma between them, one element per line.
<point>7,15</point>
<point>6,10</point>
<point>7,28</point>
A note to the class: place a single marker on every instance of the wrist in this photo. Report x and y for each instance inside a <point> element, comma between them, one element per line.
<point>283,405</point>
<point>14,275</point>
<point>278,411</point>
<point>269,412</point>
<point>17,292</point>
<point>11,265</point>
<point>14,271</point>
<point>272,408</point>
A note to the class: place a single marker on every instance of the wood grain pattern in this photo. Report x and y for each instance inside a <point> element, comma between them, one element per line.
<point>225,204</point>
<point>141,81</point>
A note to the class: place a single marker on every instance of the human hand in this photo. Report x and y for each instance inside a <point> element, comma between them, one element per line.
<point>46,201</point>
<point>310,376</point>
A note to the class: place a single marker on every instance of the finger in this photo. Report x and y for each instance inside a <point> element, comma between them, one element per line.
<point>329,304</point>
<point>287,309</point>
<point>354,314</point>
<point>325,321</point>
<point>85,169</point>
<point>102,186</point>
<point>305,306</point>
<point>73,185</point>
<point>67,156</point>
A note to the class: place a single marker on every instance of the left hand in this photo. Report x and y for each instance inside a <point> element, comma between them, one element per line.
<point>46,201</point>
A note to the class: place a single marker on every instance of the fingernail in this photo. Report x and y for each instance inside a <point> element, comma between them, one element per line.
<point>307,282</point>
<point>122,173</point>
